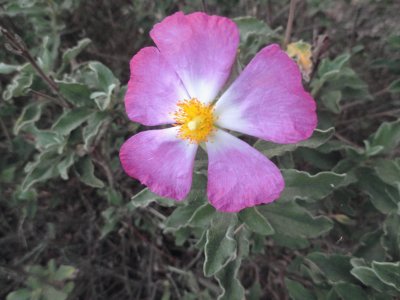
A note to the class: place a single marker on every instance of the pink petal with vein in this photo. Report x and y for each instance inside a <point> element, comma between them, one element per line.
<point>153,89</point>
<point>201,48</point>
<point>161,161</point>
<point>238,175</point>
<point>268,100</point>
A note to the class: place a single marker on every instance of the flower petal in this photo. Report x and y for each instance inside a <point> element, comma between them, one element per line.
<point>201,48</point>
<point>160,160</point>
<point>153,89</point>
<point>238,175</point>
<point>268,100</point>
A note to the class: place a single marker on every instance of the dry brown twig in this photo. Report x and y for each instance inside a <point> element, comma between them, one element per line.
<point>289,25</point>
<point>17,46</point>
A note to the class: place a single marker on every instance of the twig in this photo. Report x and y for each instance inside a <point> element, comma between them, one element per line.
<point>194,260</point>
<point>156,213</point>
<point>347,141</point>
<point>6,134</point>
<point>17,46</point>
<point>389,113</point>
<point>103,130</point>
<point>125,263</point>
<point>278,14</point>
<point>381,92</point>
<point>289,25</point>
<point>352,104</point>
<point>354,29</point>
<point>43,95</point>
<point>107,170</point>
<point>269,13</point>
<point>238,229</point>
<point>176,289</point>
<point>204,5</point>
<point>150,271</point>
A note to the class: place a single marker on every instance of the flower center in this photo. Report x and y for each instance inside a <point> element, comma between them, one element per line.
<point>196,120</point>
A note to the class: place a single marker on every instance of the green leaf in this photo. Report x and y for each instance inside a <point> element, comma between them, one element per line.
<point>114,197</point>
<point>85,170</point>
<point>64,273</point>
<point>142,199</point>
<point>254,34</point>
<point>331,100</point>
<point>394,42</point>
<point>182,215</point>
<point>182,235</point>
<point>95,122</point>
<point>104,76</point>
<point>293,220</point>
<point>220,247</point>
<point>328,71</point>
<point>30,114</point>
<point>335,267</point>
<point>384,197</point>
<point>370,246</point>
<point>391,238</point>
<point>318,138</point>
<point>48,53</point>
<point>255,291</point>
<point>47,139</point>
<point>50,293</point>
<point>349,291</point>
<point>20,84</point>
<point>232,289</point>
<point>71,120</point>
<point>111,219</point>
<point>202,216</point>
<point>388,272</point>
<point>7,69</point>
<point>330,68</point>
<point>65,164</point>
<point>394,87</point>
<point>298,183</point>
<point>388,171</point>
<point>255,221</point>
<point>102,99</point>
<point>250,25</point>
<point>193,202</point>
<point>290,241</point>
<point>334,77</point>
<point>368,277</point>
<point>73,52</point>
<point>43,168</point>
<point>227,279</point>
<point>21,294</point>
<point>7,173</point>
<point>75,93</point>
<point>387,136</point>
<point>297,291</point>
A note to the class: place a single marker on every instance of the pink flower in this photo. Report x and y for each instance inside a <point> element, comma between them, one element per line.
<point>178,82</point>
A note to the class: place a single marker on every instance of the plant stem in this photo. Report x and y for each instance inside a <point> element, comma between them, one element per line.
<point>289,25</point>
<point>6,134</point>
<point>18,47</point>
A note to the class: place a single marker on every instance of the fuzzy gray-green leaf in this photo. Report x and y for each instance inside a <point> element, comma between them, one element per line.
<point>71,120</point>
<point>298,183</point>
<point>220,247</point>
<point>318,138</point>
<point>256,221</point>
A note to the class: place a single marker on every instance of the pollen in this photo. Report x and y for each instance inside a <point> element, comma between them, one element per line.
<point>195,120</point>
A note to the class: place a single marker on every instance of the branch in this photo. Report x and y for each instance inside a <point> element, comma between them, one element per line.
<point>16,45</point>
<point>289,25</point>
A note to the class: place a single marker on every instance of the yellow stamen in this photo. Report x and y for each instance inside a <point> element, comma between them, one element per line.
<point>195,120</point>
<point>302,53</point>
